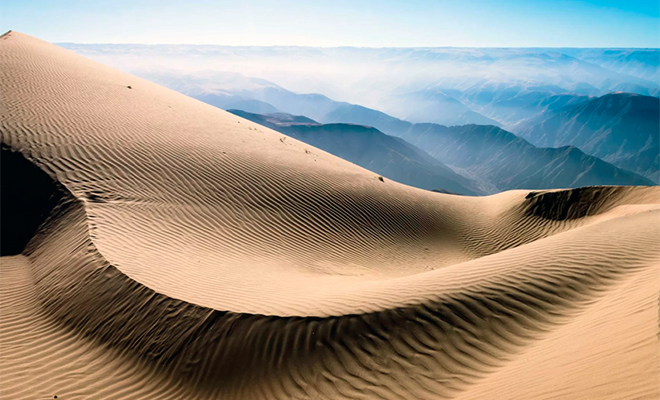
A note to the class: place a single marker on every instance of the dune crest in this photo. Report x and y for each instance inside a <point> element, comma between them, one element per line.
<point>184,252</point>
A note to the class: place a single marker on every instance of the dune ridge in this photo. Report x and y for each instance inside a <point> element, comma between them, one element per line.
<point>194,254</point>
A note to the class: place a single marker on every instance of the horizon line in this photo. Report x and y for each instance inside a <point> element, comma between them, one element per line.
<point>359,47</point>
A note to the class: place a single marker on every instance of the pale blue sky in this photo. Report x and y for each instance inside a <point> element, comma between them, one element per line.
<point>372,23</point>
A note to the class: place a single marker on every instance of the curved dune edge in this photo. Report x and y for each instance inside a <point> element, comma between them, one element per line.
<point>498,277</point>
<point>202,206</point>
<point>432,350</point>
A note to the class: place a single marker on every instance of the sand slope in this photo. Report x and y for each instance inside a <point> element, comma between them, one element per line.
<point>194,254</point>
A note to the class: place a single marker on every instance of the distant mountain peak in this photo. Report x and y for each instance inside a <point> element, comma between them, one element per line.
<point>621,128</point>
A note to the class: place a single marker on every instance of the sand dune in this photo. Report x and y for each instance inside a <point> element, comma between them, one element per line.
<point>188,253</point>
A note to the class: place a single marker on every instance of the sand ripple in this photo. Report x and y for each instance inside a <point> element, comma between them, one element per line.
<point>193,254</point>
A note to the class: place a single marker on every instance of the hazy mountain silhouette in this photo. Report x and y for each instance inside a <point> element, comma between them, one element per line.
<point>442,85</point>
<point>640,63</point>
<point>486,158</point>
<point>354,114</point>
<point>367,147</point>
<point>435,106</point>
<point>235,91</point>
<point>548,107</point>
<point>509,162</point>
<point>251,105</point>
<point>526,114</point>
<point>621,128</point>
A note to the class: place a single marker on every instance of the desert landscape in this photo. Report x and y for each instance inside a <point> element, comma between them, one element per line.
<point>157,247</point>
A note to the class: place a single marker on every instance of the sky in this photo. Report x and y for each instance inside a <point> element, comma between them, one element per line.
<point>362,23</point>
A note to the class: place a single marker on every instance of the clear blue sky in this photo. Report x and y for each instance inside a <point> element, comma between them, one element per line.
<point>373,23</point>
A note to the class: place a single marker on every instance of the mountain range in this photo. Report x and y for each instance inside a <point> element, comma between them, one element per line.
<point>464,159</point>
<point>367,147</point>
<point>573,130</point>
<point>621,128</point>
<point>449,86</point>
<point>506,161</point>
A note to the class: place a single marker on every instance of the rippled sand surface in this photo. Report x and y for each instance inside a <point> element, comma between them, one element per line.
<point>176,251</point>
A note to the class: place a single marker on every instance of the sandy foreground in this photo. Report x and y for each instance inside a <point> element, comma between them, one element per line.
<point>187,253</point>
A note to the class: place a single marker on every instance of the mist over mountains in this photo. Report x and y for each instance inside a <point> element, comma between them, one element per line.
<point>406,82</point>
<point>470,121</point>
<point>499,158</point>
<point>367,147</point>
<point>620,128</point>
<point>469,159</point>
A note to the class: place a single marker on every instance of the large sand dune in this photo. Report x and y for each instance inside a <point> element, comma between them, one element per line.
<point>188,253</point>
